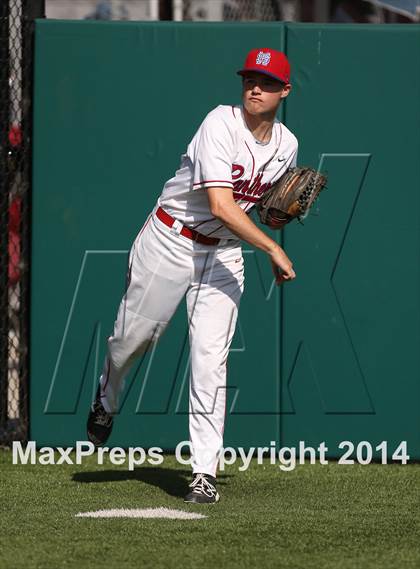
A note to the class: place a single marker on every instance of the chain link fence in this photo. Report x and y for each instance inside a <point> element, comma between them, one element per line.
<point>237,10</point>
<point>208,10</point>
<point>16,49</point>
<point>337,11</point>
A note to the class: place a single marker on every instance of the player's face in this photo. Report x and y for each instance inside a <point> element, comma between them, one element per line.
<point>262,94</point>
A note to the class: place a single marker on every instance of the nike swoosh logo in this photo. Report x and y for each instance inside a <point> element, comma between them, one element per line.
<point>281,159</point>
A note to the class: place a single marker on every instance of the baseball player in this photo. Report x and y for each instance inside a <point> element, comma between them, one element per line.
<point>190,246</point>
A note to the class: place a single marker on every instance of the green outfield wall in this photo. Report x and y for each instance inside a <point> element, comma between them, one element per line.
<point>332,356</point>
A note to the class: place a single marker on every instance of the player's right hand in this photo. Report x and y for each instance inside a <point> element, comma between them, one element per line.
<point>282,266</point>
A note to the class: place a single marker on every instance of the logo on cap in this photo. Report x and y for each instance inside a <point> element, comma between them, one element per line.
<point>263,58</point>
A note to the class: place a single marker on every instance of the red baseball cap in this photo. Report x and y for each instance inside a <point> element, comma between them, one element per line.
<point>268,61</point>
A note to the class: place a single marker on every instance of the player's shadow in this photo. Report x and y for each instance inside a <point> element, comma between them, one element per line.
<point>171,480</point>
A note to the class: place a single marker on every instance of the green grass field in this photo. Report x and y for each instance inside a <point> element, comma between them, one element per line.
<point>313,517</point>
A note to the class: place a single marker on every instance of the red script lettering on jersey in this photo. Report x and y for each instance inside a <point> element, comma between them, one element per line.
<point>250,190</point>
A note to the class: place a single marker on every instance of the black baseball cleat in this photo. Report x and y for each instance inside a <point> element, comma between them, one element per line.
<point>203,490</point>
<point>99,424</point>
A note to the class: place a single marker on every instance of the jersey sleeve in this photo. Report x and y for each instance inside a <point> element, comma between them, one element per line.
<point>212,152</point>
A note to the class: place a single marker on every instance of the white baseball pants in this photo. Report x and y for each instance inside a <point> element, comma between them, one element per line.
<point>163,267</point>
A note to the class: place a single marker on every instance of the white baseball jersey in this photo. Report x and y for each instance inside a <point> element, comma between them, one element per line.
<point>224,153</point>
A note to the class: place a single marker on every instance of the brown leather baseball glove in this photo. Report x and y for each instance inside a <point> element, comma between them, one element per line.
<point>291,197</point>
